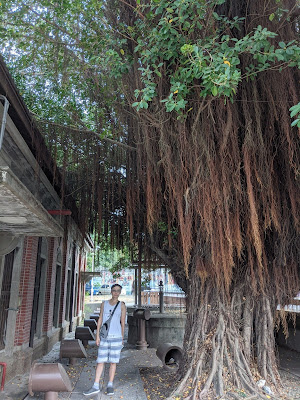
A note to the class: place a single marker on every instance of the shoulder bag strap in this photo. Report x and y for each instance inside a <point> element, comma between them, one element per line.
<point>111,315</point>
<point>114,309</point>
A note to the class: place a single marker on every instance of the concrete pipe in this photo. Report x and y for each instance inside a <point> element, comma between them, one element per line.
<point>84,334</point>
<point>50,379</point>
<point>72,349</point>
<point>95,317</point>
<point>91,323</point>
<point>170,356</point>
<point>142,313</point>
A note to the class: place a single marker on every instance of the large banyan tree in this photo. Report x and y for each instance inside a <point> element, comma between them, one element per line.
<point>204,92</point>
<point>218,162</point>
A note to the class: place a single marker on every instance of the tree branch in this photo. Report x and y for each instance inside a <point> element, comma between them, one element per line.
<point>75,129</point>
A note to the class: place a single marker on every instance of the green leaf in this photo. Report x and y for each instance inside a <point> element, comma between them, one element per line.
<point>296,122</point>
<point>295,110</point>
<point>289,52</point>
<point>143,104</point>
<point>214,90</point>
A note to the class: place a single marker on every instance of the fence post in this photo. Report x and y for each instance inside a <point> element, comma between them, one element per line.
<point>161,297</point>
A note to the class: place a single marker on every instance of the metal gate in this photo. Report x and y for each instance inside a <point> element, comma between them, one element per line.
<point>5,296</point>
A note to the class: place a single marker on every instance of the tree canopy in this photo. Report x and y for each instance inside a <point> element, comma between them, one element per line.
<point>178,118</point>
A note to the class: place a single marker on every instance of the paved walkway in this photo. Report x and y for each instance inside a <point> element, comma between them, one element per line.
<point>127,384</point>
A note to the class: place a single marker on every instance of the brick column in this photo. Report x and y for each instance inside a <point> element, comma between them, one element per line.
<point>50,284</point>
<point>81,283</point>
<point>26,290</point>
<point>64,280</point>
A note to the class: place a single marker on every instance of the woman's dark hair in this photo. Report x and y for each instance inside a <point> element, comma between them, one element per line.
<point>114,285</point>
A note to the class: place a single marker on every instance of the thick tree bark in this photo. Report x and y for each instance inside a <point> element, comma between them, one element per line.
<point>221,356</point>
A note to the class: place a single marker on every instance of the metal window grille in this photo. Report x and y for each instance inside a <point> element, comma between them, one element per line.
<point>5,296</point>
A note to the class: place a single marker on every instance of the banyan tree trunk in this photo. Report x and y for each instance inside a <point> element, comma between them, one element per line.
<point>229,343</point>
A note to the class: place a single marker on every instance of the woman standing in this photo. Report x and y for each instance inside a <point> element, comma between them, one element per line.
<point>109,348</point>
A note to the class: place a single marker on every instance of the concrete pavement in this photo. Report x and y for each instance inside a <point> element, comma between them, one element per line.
<point>127,384</point>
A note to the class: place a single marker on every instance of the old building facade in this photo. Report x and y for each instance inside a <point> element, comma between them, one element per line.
<point>42,250</point>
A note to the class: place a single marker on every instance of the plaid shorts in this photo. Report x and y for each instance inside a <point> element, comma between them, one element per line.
<point>109,350</point>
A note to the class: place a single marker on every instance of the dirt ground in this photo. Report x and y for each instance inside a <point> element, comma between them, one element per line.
<point>159,384</point>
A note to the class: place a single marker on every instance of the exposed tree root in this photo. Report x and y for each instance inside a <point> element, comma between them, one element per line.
<point>221,366</point>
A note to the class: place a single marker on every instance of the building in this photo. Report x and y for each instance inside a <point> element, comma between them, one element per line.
<point>42,249</point>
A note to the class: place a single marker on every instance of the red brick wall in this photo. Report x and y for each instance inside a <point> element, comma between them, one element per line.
<point>26,290</point>
<point>81,283</point>
<point>64,278</point>
<point>50,284</point>
<point>27,279</point>
<point>76,290</point>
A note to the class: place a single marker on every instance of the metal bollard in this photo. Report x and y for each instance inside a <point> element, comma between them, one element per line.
<point>170,356</point>
<point>72,349</point>
<point>142,316</point>
<point>161,297</point>
<point>50,379</point>
<point>85,334</point>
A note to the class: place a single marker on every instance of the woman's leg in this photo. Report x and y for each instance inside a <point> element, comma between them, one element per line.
<point>96,387</point>
<point>99,370</point>
<point>112,371</point>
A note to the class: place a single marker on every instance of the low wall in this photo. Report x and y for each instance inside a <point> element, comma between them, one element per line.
<point>18,363</point>
<point>161,328</point>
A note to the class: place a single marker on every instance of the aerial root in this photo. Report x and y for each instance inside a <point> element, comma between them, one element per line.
<point>221,365</point>
<point>224,351</point>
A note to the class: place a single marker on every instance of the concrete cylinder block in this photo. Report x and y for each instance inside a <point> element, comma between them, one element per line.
<point>142,313</point>
<point>85,334</point>
<point>91,323</point>
<point>170,356</point>
<point>95,317</point>
<point>49,378</point>
<point>72,349</point>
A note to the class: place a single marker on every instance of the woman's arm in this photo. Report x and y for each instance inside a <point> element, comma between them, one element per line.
<point>99,323</point>
<point>123,317</point>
